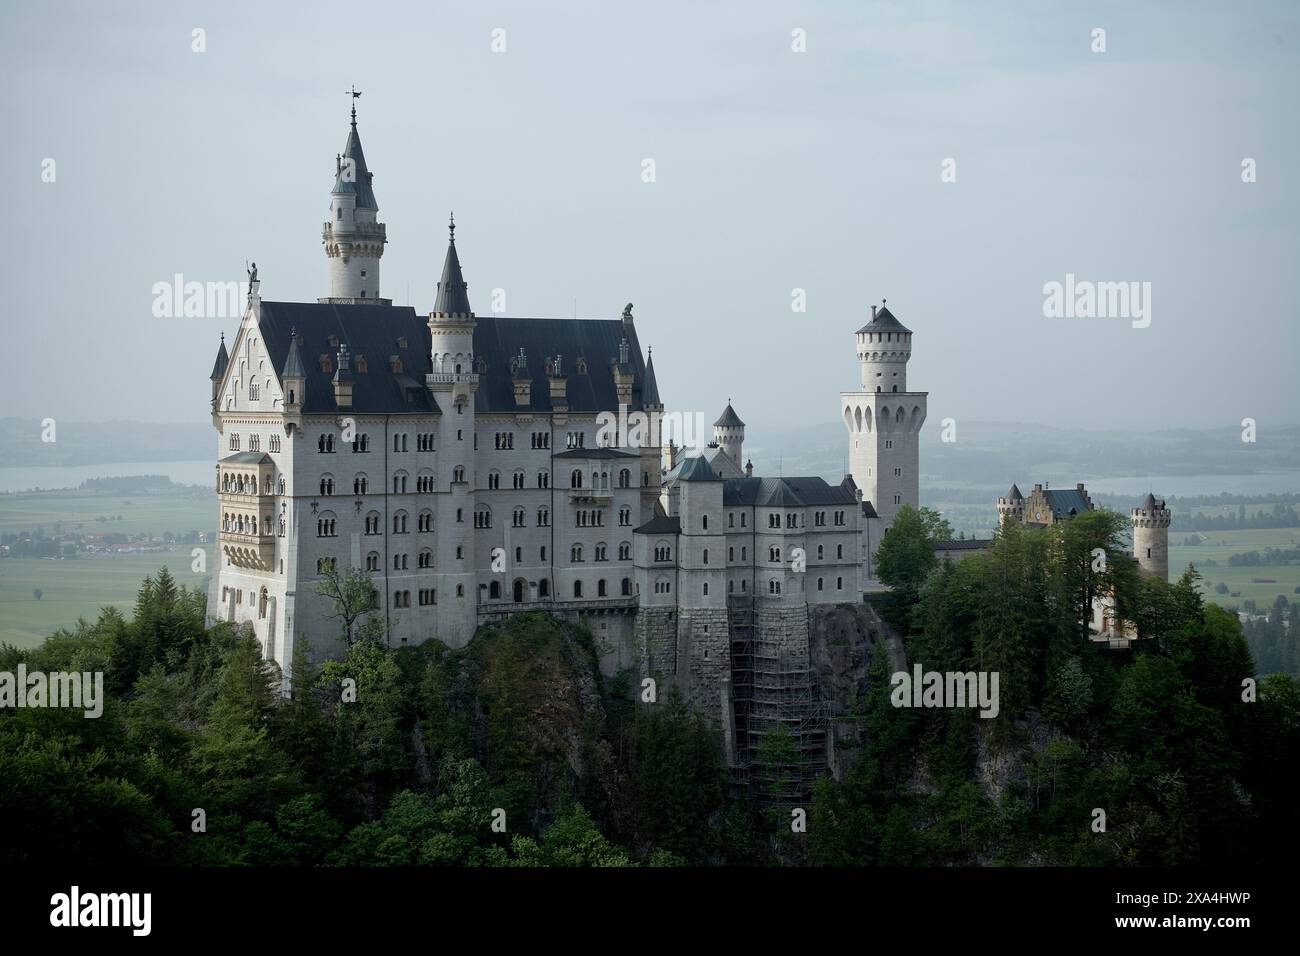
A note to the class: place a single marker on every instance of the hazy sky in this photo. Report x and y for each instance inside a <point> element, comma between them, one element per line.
<point>775,170</point>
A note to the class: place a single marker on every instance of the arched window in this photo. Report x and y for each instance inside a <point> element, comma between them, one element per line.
<point>575,553</point>
<point>627,587</point>
<point>600,588</point>
<point>577,589</point>
<point>327,484</point>
<point>575,479</point>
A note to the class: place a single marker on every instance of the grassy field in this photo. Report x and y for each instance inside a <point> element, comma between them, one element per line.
<point>77,588</point>
<point>1219,545</point>
<point>80,586</point>
<point>80,511</point>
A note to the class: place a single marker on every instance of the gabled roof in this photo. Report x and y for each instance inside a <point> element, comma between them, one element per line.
<point>1065,501</point>
<point>729,419</point>
<point>223,360</point>
<point>696,468</point>
<point>884,321</point>
<point>247,458</point>
<point>373,331</point>
<point>868,511</point>
<point>963,544</point>
<point>497,340</point>
<point>595,454</point>
<point>660,524</point>
<point>359,183</point>
<point>785,492</point>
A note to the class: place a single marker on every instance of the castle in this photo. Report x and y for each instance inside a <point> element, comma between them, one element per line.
<point>1150,521</point>
<point>465,462</point>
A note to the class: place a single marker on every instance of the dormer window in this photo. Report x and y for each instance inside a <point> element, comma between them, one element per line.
<point>333,341</point>
<point>361,363</point>
<point>326,364</point>
<point>401,342</point>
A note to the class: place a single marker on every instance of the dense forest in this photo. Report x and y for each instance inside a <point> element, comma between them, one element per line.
<point>515,751</point>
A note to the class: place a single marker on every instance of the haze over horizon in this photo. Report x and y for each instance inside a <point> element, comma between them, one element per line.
<point>775,171</point>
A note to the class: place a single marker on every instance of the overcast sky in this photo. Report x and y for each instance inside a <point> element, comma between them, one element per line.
<point>775,171</point>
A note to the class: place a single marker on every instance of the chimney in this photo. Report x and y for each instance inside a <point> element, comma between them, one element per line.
<point>523,385</point>
<point>559,386</point>
<point>873,313</point>
<point>343,379</point>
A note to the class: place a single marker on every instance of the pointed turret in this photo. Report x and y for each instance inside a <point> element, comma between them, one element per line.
<point>293,361</point>
<point>223,359</point>
<point>650,388</point>
<point>453,293</point>
<point>219,370</point>
<point>352,176</point>
<point>1014,494</point>
<point>354,238</point>
<point>729,433</point>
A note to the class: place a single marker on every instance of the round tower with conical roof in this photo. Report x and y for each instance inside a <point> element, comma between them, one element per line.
<point>884,419</point>
<point>729,433</point>
<point>354,238</point>
<point>1151,537</point>
<point>1012,507</point>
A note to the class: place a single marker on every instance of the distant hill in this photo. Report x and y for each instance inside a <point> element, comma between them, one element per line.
<point>996,453</point>
<point>100,443</point>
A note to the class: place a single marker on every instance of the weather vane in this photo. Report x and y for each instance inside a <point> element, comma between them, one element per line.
<point>354,93</point>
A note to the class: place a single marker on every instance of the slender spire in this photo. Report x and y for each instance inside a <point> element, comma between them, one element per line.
<point>223,360</point>
<point>293,361</point>
<point>453,293</point>
<point>650,388</point>
<point>352,174</point>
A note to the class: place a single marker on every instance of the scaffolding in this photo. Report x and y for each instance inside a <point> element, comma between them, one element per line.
<point>774,689</point>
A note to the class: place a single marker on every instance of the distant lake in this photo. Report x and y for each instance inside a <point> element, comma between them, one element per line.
<point>184,472</point>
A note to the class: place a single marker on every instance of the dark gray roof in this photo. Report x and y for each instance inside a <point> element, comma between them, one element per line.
<point>223,359</point>
<point>785,492</point>
<point>453,293</point>
<point>650,388</point>
<point>660,524</point>
<point>374,332</point>
<point>868,511</point>
<point>498,339</point>
<point>696,468</point>
<point>963,544</point>
<point>729,419</point>
<point>596,453</point>
<point>884,321</point>
<point>1014,494</point>
<point>247,458</point>
<point>1149,503</point>
<point>1063,502</point>
<point>293,362</point>
<point>361,186</point>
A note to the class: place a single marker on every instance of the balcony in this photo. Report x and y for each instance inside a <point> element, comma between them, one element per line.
<point>253,552</point>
